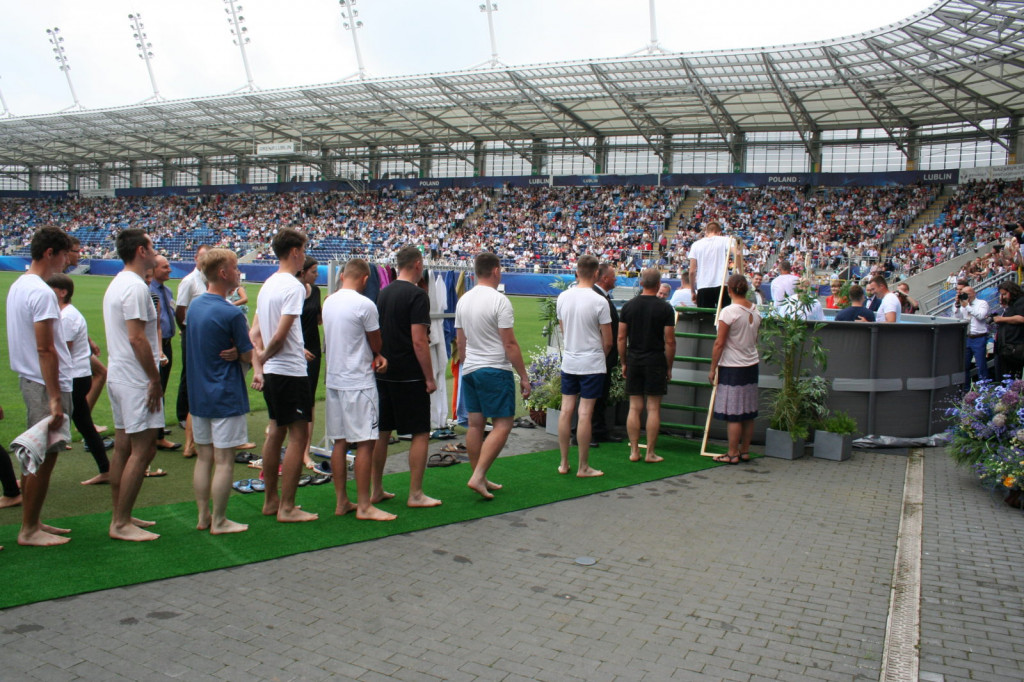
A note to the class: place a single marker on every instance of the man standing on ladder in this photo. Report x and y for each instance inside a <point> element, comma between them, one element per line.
<point>709,264</point>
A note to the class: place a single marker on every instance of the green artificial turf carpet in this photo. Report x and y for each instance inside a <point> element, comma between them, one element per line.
<point>92,561</point>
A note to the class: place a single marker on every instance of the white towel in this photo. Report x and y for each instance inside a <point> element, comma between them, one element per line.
<point>32,445</point>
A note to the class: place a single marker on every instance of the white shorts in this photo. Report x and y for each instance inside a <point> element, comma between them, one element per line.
<point>352,416</point>
<point>128,403</point>
<point>221,432</point>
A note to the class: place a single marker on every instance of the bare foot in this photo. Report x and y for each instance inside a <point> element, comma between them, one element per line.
<point>56,531</point>
<point>100,429</point>
<point>6,502</point>
<point>40,538</point>
<point>374,514</point>
<point>381,497</point>
<point>228,526</point>
<point>589,472</point>
<point>98,479</point>
<point>139,523</point>
<point>634,455</point>
<point>204,521</point>
<point>422,500</point>
<point>131,533</point>
<point>296,515</point>
<point>563,468</point>
<point>270,506</point>
<point>480,488</point>
<point>344,508</point>
<point>653,458</point>
<point>494,486</point>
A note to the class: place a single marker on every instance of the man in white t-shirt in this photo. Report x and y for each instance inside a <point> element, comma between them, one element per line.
<point>802,303</point>
<point>191,287</point>
<point>890,308</point>
<point>40,358</point>
<point>586,326</point>
<point>484,322</point>
<point>784,285</point>
<point>279,369</point>
<point>133,380</point>
<point>352,345</point>
<point>709,263</point>
<point>683,296</point>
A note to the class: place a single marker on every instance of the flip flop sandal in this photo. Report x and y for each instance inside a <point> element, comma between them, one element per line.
<point>725,459</point>
<point>304,480</point>
<point>256,485</point>
<point>155,474</point>
<point>320,479</point>
<point>453,447</point>
<point>441,460</point>
<point>244,486</point>
<point>256,463</point>
<point>524,423</point>
<point>323,468</point>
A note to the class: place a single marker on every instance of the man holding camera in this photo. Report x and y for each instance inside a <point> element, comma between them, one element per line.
<point>975,311</point>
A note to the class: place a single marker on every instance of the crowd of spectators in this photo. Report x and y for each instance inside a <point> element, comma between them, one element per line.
<point>547,228</point>
<point>976,214</point>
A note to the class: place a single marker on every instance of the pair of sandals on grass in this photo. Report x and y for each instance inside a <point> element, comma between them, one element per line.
<point>743,457</point>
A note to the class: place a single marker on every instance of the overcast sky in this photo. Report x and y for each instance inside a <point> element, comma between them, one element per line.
<point>302,42</point>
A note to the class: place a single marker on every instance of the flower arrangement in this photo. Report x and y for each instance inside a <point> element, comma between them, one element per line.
<point>545,375</point>
<point>987,430</point>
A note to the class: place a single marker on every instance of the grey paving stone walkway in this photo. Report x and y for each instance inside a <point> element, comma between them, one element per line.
<point>770,571</point>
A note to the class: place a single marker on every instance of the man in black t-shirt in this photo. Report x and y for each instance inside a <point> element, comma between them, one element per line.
<point>857,311</point>
<point>647,345</point>
<point>404,390</point>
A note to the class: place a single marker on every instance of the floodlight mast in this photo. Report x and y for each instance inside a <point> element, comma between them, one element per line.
<point>239,31</point>
<point>352,24</point>
<point>652,47</point>
<point>3,103</point>
<point>60,56</point>
<point>490,7</point>
<point>145,52</point>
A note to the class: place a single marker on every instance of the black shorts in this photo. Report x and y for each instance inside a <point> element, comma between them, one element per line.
<point>404,406</point>
<point>709,297</point>
<point>287,398</point>
<point>647,379</point>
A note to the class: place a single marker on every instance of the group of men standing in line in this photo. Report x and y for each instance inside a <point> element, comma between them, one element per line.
<point>379,376</point>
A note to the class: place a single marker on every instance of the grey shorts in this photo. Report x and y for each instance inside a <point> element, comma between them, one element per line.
<point>37,407</point>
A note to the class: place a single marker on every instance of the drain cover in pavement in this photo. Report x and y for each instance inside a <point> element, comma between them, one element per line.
<point>586,561</point>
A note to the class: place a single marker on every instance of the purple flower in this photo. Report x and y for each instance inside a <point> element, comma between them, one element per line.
<point>1017,385</point>
<point>1011,398</point>
<point>970,397</point>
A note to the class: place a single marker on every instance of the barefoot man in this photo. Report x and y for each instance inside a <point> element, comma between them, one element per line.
<point>405,388</point>
<point>218,343</point>
<point>647,346</point>
<point>352,344</point>
<point>280,372</point>
<point>586,326</point>
<point>133,380</point>
<point>488,346</point>
<point>40,358</point>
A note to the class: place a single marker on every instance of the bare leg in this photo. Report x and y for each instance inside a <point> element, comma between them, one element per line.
<point>583,433</point>
<point>142,448</point>
<point>653,426</point>
<point>417,466</point>
<point>365,511</point>
<point>636,406</point>
<point>735,432</point>
<point>99,380</point>
<point>190,445</point>
<point>202,475</point>
<point>565,431</point>
<point>488,453</point>
<point>220,490</point>
<point>474,437</point>
<point>34,488</point>
<point>307,461</point>
<point>271,463</point>
<point>380,458</point>
<point>290,472</point>
<point>746,435</point>
<point>339,472</point>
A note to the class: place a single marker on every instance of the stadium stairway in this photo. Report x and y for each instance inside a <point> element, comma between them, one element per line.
<point>684,209</point>
<point>928,216</point>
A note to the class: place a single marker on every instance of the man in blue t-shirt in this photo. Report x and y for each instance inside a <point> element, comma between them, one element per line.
<point>218,343</point>
<point>857,312</point>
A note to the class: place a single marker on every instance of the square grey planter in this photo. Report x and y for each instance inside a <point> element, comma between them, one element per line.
<point>552,425</point>
<point>832,446</point>
<point>778,444</point>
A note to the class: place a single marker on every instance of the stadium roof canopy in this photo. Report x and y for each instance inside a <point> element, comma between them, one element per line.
<point>958,61</point>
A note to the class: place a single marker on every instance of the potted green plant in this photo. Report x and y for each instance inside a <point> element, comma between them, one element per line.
<point>833,437</point>
<point>548,313</point>
<point>789,342</point>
